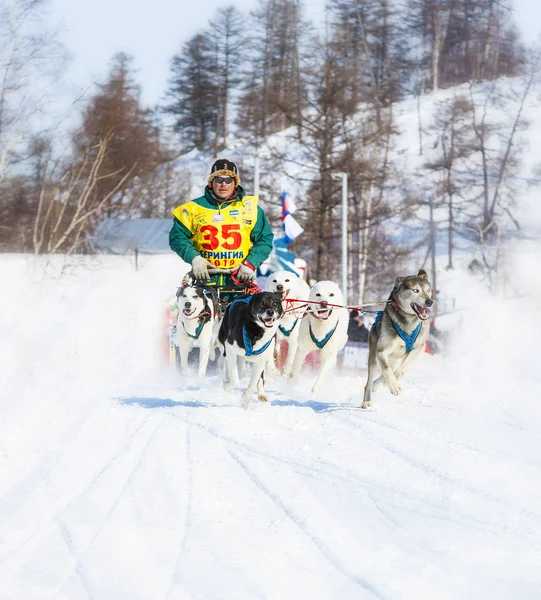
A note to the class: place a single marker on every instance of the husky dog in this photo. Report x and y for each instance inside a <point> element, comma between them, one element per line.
<point>324,328</point>
<point>196,325</point>
<point>290,286</point>
<point>248,330</point>
<point>399,333</point>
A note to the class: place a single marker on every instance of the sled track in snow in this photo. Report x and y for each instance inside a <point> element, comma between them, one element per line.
<point>175,579</point>
<point>42,469</point>
<point>333,472</point>
<point>443,476</point>
<point>322,468</point>
<point>280,503</point>
<point>325,551</point>
<point>78,566</point>
<point>50,520</point>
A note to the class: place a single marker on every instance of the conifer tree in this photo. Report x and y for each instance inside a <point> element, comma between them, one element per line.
<point>226,30</point>
<point>273,84</point>
<point>193,93</point>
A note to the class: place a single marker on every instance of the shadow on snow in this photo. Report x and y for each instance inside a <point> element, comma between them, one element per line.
<point>315,405</point>
<point>168,403</point>
<point>149,402</point>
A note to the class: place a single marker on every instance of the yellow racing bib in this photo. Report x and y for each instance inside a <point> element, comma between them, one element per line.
<point>221,236</point>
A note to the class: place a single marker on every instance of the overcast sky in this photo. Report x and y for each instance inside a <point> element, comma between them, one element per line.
<point>153,31</point>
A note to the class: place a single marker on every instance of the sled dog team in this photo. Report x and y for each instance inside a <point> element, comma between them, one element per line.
<point>252,328</point>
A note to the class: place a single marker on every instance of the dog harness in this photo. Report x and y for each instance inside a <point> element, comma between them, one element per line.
<point>287,332</point>
<point>408,339</point>
<point>248,345</point>
<point>198,330</point>
<point>321,343</point>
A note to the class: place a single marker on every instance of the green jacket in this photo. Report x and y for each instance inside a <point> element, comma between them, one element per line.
<point>261,236</point>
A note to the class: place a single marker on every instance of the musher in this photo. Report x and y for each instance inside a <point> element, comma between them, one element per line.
<point>224,229</point>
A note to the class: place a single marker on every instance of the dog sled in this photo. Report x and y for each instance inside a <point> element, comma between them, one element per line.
<point>221,294</point>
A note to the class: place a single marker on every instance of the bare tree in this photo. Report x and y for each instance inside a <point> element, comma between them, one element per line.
<point>455,143</point>
<point>30,58</point>
<point>65,208</point>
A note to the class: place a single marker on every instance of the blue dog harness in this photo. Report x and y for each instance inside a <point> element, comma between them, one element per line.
<point>248,345</point>
<point>287,332</point>
<point>198,331</point>
<point>408,339</point>
<point>321,343</point>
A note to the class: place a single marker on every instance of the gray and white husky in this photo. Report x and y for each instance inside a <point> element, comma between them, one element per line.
<point>399,333</point>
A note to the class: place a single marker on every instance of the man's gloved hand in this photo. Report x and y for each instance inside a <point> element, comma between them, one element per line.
<point>200,268</point>
<point>246,272</point>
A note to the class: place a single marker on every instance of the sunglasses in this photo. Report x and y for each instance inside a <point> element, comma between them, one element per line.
<point>223,179</point>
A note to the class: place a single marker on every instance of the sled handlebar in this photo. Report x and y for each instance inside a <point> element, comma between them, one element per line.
<point>221,271</point>
<point>213,271</point>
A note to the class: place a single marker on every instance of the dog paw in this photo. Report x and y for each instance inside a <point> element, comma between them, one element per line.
<point>273,373</point>
<point>366,404</point>
<point>263,397</point>
<point>316,389</point>
<point>246,398</point>
<point>286,371</point>
<point>395,388</point>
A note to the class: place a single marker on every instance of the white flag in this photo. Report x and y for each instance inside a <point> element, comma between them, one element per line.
<point>292,229</point>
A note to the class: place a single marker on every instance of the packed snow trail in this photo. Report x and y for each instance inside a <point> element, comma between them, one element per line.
<point>121,480</point>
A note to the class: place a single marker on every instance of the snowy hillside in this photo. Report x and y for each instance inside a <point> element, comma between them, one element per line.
<point>121,481</point>
<point>415,143</point>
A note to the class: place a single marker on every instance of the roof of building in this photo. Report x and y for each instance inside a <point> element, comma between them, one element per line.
<point>122,235</point>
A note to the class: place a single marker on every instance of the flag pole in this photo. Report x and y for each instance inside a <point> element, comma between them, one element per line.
<point>256,173</point>
<point>344,178</point>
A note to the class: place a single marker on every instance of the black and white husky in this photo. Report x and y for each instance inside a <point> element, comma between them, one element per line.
<point>248,330</point>
<point>196,326</point>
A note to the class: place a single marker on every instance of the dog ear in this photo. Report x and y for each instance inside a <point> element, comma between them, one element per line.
<point>393,292</point>
<point>399,280</point>
<point>179,291</point>
<point>212,297</point>
<point>422,273</point>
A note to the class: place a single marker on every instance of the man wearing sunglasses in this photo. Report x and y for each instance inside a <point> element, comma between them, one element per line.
<point>223,229</point>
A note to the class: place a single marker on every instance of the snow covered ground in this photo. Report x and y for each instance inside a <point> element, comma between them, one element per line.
<point>119,480</point>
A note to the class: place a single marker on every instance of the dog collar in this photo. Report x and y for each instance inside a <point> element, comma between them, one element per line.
<point>408,338</point>
<point>249,351</point>
<point>321,343</point>
<point>286,332</point>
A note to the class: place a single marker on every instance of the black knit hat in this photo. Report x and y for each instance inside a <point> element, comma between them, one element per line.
<point>224,167</point>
